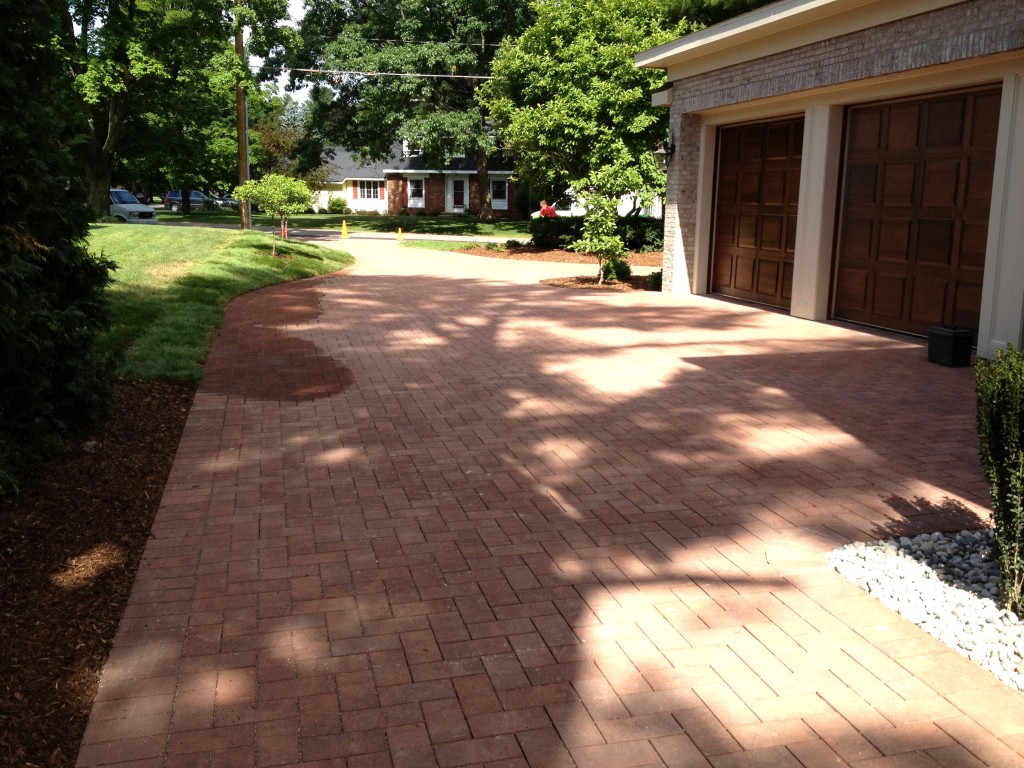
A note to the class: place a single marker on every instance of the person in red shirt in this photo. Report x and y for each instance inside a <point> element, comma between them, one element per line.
<point>547,211</point>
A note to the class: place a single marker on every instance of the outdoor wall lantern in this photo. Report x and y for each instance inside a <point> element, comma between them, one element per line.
<point>663,154</point>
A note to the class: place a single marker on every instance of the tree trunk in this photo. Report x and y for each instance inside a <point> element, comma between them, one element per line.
<point>484,183</point>
<point>99,165</point>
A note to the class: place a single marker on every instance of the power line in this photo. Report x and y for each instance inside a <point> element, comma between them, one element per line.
<point>342,72</point>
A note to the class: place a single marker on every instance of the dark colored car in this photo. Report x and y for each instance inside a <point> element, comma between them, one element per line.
<point>198,200</point>
<point>226,201</point>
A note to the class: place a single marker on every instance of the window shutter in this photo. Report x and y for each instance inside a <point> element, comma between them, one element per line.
<point>355,190</point>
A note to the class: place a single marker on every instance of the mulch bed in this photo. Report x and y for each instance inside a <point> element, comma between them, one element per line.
<point>72,539</point>
<point>588,281</point>
<point>70,543</point>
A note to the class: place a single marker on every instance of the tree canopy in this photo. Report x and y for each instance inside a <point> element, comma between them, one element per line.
<point>161,58</point>
<point>570,103</point>
<point>445,49</point>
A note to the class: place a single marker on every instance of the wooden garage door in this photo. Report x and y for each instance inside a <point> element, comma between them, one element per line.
<point>758,184</point>
<point>914,211</point>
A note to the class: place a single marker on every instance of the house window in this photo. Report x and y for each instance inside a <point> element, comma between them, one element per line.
<point>499,194</point>
<point>416,197</point>
<point>369,189</point>
<point>408,150</point>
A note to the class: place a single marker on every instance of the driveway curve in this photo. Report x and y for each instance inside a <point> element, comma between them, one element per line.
<point>430,512</point>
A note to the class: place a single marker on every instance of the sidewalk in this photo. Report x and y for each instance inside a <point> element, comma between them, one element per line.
<point>429,512</point>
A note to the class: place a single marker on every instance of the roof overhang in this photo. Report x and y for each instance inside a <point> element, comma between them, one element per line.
<point>773,29</point>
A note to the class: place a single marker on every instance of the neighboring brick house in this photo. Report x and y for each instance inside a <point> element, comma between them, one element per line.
<point>860,160</point>
<point>406,183</point>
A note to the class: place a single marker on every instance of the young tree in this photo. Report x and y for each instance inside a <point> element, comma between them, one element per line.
<point>572,106</point>
<point>444,48</point>
<point>279,196</point>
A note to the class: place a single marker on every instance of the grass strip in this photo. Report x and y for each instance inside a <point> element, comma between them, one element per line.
<point>171,286</point>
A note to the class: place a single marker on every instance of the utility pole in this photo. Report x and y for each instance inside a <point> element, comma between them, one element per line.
<point>242,120</point>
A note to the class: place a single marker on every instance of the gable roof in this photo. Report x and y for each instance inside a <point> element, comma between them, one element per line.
<point>345,165</point>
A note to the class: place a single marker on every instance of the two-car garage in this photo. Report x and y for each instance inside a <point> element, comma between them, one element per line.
<point>855,160</point>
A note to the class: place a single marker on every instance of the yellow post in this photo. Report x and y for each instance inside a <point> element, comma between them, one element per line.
<point>399,233</point>
<point>344,228</point>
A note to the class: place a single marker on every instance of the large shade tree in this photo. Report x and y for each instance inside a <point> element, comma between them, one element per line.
<point>162,56</point>
<point>572,106</point>
<point>443,49</point>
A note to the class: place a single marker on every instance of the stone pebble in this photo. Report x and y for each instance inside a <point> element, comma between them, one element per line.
<point>947,584</point>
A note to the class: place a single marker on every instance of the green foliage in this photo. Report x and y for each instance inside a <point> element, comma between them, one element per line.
<point>654,281</point>
<point>638,233</point>
<point>280,196</point>
<point>52,300</point>
<point>600,238</point>
<point>570,103</point>
<point>338,205</point>
<point>160,77</point>
<point>642,233</point>
<point>708,12</point>
<point>617,269</point>
<point>1000,390</point>
<point>169,291</point>
<point>555,232</point>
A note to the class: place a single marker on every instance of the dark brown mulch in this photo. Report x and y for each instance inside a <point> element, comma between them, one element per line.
<point>532,253</point>
<point>70,543</point>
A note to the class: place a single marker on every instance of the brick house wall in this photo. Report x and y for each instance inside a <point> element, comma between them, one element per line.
<point>397,192</point>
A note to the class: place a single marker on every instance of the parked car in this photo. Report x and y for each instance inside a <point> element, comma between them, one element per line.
<point>124,206</point>
<point>198,200</point>
<point>226,201</point>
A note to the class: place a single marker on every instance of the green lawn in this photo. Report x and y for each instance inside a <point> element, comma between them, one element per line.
<point>171,286</point>
<point>431,225</point>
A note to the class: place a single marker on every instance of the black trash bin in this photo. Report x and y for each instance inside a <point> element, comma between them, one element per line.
<point>950,346</point>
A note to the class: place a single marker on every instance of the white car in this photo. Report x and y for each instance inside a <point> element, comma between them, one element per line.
<point>125,207</point>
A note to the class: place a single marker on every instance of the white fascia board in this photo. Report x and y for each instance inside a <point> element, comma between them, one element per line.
<point>776,28</point>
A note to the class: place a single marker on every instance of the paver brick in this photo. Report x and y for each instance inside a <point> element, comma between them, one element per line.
<point>460,518</point>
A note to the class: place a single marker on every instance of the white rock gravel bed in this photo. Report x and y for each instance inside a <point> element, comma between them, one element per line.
<point>947,584</point>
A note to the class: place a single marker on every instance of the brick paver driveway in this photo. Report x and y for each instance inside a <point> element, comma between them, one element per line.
<point>430,512</point>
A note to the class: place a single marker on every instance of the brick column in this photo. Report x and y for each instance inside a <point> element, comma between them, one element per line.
<point>681,204</point>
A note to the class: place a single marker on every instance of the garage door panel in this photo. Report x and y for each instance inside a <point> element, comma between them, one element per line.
<point>903,127</point>
<point>753,235</point>
<point>972,249</point>
<point>857,239</point>
<point>864,130</point>
<point>898,184</point>
<point>852,291</point>
<point>887,295</point>
<point>768,275</point>
<point>743,277</point>
<point>894,240</point>
<point>771,233</point>
<point>945,123</point>
<point>862,184</point>
<point>722,272</point>
<point>917,250</point>
<point>967,305</point>
<point>985,120</point>
<point>928,303</point>
<point>935,240</point>
<point>774,192</point>
<point>979,183</point>
<point>746,236</point>
<point>941,183</point>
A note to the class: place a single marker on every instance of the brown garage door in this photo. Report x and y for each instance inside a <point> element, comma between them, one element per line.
<point>758,184</point>
<point>914,211</point>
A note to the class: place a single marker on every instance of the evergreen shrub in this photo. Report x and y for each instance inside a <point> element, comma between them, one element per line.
<point>1000,413</point>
